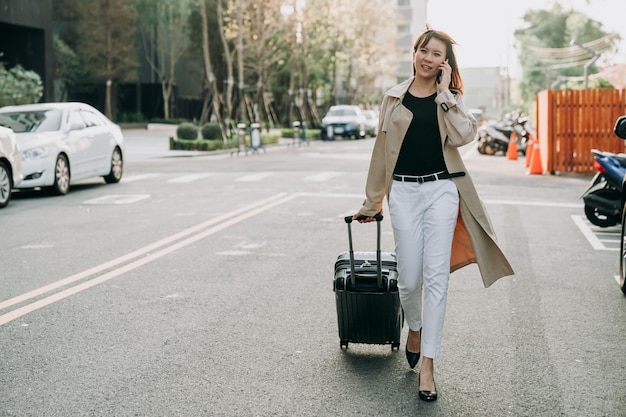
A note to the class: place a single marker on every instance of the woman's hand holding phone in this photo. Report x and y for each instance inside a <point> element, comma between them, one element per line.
<point>443,76</point>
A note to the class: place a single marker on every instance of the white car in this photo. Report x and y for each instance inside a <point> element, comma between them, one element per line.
<point>371,126</point>
<point>64,142</point>
<point>347,121</point>
<point>10,165</point>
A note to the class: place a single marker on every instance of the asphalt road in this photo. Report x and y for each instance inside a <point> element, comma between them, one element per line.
<point>201,285</point>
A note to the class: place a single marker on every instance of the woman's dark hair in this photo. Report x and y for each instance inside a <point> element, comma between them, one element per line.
<point>456,83</point>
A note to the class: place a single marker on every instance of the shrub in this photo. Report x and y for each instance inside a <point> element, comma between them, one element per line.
<point>211,131</point>
<point>19,86</point>
<point>187,131</point>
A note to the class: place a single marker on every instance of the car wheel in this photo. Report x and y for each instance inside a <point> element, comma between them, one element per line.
<point>117,167</point>
<point>61,184</point>
<point>6,185</point>
<point>622,252</point>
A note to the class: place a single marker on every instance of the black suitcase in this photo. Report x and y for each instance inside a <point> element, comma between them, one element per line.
<point>366,294</point>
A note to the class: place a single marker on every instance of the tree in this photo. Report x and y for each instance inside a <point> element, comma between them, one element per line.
<point>265,53</point>
<point>107,43</point>
<point>164,34</point>
<point>210,80</point>
<point>67,67</point>
<point>228,61</point>
<point>546,51</point>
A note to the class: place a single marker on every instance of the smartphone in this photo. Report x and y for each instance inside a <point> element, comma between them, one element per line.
<point>439,73</point>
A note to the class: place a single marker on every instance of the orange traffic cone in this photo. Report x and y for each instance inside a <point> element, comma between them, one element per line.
<point>535,161</point>
<point>511,151</point>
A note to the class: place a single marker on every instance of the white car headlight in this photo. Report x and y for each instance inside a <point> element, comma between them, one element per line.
<point>33,153</point>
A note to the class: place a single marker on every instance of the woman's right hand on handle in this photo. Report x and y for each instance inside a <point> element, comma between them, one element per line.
<point>362,218</point>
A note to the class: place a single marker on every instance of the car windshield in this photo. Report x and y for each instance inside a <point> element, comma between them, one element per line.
<point>48,120</point>
<point>341,112</point>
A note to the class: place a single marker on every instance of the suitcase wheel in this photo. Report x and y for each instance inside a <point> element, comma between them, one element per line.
<point>395,346</point>
<point>343,344</point>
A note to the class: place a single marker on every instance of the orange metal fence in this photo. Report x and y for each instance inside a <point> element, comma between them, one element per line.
<point>572,122</point>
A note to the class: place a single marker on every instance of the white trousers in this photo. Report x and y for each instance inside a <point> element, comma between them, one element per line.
<point>423,218</point>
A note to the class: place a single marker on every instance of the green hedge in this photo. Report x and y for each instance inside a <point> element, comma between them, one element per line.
<point>182,144</point>
<point>176,121</point>
<point>311,134</point>
<point>201,144</point>
<point>209,137</point>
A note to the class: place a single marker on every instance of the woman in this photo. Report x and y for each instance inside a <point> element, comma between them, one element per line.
<point>439,223</point>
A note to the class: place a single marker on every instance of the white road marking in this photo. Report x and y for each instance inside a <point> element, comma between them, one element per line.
<point>589,235</point>
<point>256,176</point>
<point>190,178</point>
<point>133,178</point>
<point>139,258</point>
<point>119,266</point>
<point>233,253</point>
<point>43,245</point>
<point>118,199</point>
<point>322,176</point>
<point>344,156</point>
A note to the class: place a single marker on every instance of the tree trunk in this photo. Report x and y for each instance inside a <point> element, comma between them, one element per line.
<point>230,80</point>
<point>166,92</point>
<point>211,82</point>
<point>241,86</point>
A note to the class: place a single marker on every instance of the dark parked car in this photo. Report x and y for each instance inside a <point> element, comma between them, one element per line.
<point>346,121</point>
<point>620,131</point>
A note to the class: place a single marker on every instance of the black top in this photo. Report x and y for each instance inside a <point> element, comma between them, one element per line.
<point>421,152</point>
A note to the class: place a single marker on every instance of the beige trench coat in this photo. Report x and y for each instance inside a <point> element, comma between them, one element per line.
<point>474,239</point>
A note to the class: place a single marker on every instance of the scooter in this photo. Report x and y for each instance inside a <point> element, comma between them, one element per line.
<point>495,138</point>
<point>492,140</point>
<point>603,198</point>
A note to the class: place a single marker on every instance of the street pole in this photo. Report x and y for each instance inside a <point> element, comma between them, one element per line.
<point>588,64</point>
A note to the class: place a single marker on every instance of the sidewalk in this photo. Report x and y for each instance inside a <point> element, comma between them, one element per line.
<point>154,142</point>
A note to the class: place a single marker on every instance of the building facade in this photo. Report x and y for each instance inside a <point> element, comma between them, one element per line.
<point>26,38</point>
<point>486,88</point>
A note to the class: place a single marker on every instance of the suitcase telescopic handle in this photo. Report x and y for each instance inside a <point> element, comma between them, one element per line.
<point>379,263</point>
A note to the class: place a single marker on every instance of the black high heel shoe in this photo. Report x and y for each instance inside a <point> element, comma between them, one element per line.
<point>411,357</point>
<point>428,396</point>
